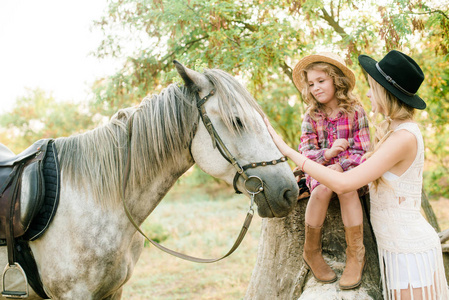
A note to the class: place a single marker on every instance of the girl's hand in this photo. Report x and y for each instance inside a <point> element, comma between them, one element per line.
<point>338,146</point>
<point>336,167</point>
<point>298,173</point>
<point>282,146</point>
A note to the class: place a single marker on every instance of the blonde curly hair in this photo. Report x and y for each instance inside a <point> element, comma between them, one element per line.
<point>347,101</point>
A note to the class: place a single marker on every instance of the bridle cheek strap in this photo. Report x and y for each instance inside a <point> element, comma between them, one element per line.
<point>217,142</point>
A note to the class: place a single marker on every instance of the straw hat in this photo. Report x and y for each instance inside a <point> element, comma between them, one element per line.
<point>327,57</point>
<point>399,74</point>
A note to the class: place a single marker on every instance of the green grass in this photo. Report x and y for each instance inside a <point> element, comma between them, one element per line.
<point>202,222</point>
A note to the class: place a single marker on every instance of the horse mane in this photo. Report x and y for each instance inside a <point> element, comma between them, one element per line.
<point>163,126</point>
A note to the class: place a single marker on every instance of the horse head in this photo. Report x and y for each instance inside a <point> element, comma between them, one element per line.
<point>232,142</point>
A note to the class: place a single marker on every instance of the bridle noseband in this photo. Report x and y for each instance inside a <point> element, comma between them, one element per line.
<point>217,142</point>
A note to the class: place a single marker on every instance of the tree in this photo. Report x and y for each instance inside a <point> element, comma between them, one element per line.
<point>260,41</point>
<point>38,115</point>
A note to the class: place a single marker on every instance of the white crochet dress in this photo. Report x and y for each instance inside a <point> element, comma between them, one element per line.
<point>409,248</point>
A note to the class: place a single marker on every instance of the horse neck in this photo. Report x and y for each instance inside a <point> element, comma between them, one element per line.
<point>89,161</point>
<point>168,159</point>
<point>142,200</point>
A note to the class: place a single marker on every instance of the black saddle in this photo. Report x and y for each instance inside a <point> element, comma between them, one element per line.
<point>21,187</point>
<point>29,193</point>
<point>7,157</point>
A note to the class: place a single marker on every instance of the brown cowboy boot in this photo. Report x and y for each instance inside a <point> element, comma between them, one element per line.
<point>313,258</point>
<point>355,258</point>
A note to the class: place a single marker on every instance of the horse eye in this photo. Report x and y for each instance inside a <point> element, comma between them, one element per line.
<point>237,123</point>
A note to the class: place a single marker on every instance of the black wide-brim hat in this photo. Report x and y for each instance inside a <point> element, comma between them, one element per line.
<point>399,74</point>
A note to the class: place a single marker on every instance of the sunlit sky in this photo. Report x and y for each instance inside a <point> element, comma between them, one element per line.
<point>46,44</point>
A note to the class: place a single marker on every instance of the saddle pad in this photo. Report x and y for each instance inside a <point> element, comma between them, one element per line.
<point>51,199</point>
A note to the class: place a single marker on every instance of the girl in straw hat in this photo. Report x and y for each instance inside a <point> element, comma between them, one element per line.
<point>335,134</point>
<point>410,255</point>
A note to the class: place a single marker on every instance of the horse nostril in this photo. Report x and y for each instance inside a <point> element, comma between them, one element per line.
<point>290,197</point>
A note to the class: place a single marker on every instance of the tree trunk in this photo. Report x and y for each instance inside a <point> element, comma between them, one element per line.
<point>428,211</point>
<point>280,273</point>
<point>444,236</point>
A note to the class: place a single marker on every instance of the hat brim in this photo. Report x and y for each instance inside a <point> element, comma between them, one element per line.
<point>369,65</point>
<point>303,63</point>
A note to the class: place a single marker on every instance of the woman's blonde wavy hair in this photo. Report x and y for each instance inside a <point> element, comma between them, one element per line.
<point>347,101</point>
<point>388,106</point>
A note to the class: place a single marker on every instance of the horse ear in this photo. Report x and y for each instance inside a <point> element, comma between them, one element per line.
<point>183,73</point>
<point>191,77</point>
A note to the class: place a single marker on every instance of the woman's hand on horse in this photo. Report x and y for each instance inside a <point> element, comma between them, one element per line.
<point>285,149</point>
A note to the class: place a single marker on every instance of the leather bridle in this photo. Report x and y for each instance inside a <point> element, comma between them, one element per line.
<point>240,171</point>
<point>218,143</point>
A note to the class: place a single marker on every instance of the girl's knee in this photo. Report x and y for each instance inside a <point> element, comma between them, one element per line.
<point>322,192</point>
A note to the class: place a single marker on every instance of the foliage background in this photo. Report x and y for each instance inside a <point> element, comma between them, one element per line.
<point>259,42</point>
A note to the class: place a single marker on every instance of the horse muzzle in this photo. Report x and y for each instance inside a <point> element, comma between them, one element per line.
<point>274,198</point>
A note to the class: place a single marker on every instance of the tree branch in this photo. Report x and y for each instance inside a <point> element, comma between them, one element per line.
<point>444,235</point>
<point>340,30</point>
<point>232,40</point>
<point>250,27</point>
<point>288,71</point>
<point>438,11</point>
<point>186,47</point>
<point>334,24</point>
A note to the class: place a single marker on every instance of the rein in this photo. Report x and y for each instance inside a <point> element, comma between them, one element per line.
<point>216,141</point>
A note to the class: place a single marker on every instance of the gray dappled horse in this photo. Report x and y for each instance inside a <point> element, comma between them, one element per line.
<point>90,249</point>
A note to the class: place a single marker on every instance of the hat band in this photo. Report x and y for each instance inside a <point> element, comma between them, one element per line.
<point>390,80</point>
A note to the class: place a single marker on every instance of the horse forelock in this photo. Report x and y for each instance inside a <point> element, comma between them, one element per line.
<point>234,101</point>
<point>162,127</point>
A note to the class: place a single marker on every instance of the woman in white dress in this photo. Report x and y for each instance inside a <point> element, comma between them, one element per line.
<point>410,255</point>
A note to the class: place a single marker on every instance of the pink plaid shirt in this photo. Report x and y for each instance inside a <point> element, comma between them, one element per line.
<point>318,136</point>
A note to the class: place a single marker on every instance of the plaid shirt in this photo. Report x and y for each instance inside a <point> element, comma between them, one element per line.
<point>318,136</point>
